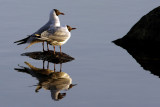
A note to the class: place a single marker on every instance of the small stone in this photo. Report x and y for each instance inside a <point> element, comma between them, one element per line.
<point>49,56</point>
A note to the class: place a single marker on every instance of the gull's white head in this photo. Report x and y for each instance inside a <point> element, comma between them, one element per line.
<point>55,12</point>
<point>58,12</point>
<point>54,17</point>
<point>56,95</point>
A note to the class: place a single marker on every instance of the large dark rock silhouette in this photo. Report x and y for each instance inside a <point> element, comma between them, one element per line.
<point>143,41</point>
<point>145,32</point>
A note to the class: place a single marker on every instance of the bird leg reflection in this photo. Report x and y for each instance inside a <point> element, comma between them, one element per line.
<point>48,65</point>
<point>54,67</point>
<point>44,64</point>
<point>43,46</point>
<point>54,49</point>
<point>61,67</point>
<point>47,47</point>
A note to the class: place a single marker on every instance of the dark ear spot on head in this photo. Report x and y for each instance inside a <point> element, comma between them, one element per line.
<point>58,12</point>
<point>69,28</point>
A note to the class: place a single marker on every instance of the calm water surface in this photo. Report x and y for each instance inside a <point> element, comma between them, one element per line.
<point>105,74</point>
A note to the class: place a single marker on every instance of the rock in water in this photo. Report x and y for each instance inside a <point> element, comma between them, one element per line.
<point>145,31</point>
<point>143,41</point>
<point>49,56</point>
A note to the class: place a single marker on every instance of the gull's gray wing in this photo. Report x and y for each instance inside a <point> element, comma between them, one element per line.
<point>58,34</point>
<point>43,28</point>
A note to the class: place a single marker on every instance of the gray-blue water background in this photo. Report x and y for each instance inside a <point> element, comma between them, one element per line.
<point>105,74</point>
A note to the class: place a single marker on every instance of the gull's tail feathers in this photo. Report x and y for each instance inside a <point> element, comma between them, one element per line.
<point>31,66</point>
<point>22,41</point>
<point>31,39</point>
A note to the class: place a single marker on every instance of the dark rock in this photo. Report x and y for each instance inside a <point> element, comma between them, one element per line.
<point>49,56</point>
<point>143,41</point>
<point>145,31</point>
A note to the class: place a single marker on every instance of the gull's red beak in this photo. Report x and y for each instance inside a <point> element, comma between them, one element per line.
<point>62,13</point>
<point>74,28</point>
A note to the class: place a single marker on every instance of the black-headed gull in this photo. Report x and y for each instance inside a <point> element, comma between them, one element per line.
<point>53,20</point>
<point>56,36</point>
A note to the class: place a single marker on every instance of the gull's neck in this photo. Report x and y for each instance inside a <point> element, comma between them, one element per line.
<point>54,19</point>
<point>54,94</point>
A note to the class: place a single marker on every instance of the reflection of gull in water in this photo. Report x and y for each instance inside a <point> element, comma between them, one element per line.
<point>58,81</point>
<point>49,79</point>
<point>53,20</point>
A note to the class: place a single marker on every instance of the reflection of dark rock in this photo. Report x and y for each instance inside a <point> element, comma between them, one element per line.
<point>147,57</point>
<point>49,80</point>
<point>145,31</point>
<point>49,56</point>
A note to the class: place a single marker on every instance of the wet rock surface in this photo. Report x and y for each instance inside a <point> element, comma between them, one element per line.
<point>49,56</point>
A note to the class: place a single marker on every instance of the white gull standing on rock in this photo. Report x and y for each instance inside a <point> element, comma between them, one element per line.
<point>56,36</point>
<point>53,20</point>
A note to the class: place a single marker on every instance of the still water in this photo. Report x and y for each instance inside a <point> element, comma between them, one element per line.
<point>102,73</point>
